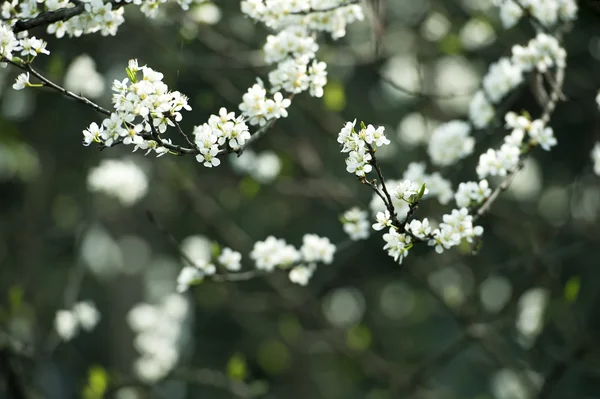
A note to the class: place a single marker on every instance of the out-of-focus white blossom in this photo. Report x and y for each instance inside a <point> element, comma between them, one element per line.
<point>481,111</point>
<point>530,316</point>
<point>546,12</point>
<point>450,142</point>
<point>82,77</point>
<point>596,158</point>
<point>158,340</point>
<point>356,224</point>
<point>68,322</point>
<point>120,179</point>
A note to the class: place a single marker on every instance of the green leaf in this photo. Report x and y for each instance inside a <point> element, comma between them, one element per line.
<point>131,75</point>
<point>236,367</point>
<point>96,384</point>
<point>572,289</point>
<point>215,249</point>
<point>362,125</point>
<point>421,192</point>
<point>334,96</point>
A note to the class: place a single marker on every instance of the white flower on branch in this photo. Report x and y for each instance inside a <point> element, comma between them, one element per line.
<point>230,259</point>
<point>472,193</point>
<point>317,249</point>
<point>301,274</point>
<point>22,81</point>
<point>541,53</point>
<point>502,77</point>
<point>396,244</point>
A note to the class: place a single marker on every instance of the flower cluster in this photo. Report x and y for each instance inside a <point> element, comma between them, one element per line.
<point>27,47</point>
<point>201,253</point>
<point>276,253</point>
<point>123,180</point>
<point>143,109</point>
<point>67,322</point>
<point>220,129</point>
<point>456,226</point>
<point>159,330</point>
<point>258,109</point>
<point>541,53</point>
<point>472,193</point>
<point>96,16</point>
<point>396,244</point>
<point>356,223</point>
<point>500,162</point>
<point>359,146</point>
<point>450,142</point>
<point>546,12</point>
<point>318,15</point>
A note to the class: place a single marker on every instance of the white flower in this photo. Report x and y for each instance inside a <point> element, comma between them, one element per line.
<point>317,249</point>
<point>301,274</point>
<point>273,253</point>
<point>396,244</point>
<point>187,276</point>
<point>419,228</point>
<point>22,81</point>
<point>502,77</point>
<point>87,315</point>
<point>408,191</point>
<point>544,136</point>
<point>383,220</point>
<point>65,324</point>
<point>230,259</point>
<point>472,193</point>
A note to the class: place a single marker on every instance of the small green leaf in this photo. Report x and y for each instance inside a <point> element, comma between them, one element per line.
<point>572,289</point>
<point>131,75</point>
<point>236,367</point>
<point>215,249</point>
<point>334,96</point>
<point>96,384</point>
<point>421,192</point>
<point>362,125</point>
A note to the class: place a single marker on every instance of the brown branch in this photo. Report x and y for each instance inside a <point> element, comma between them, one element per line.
<point>49,17</point>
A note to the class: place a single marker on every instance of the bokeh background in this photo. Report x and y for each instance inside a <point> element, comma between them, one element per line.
<point>438,326</point>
